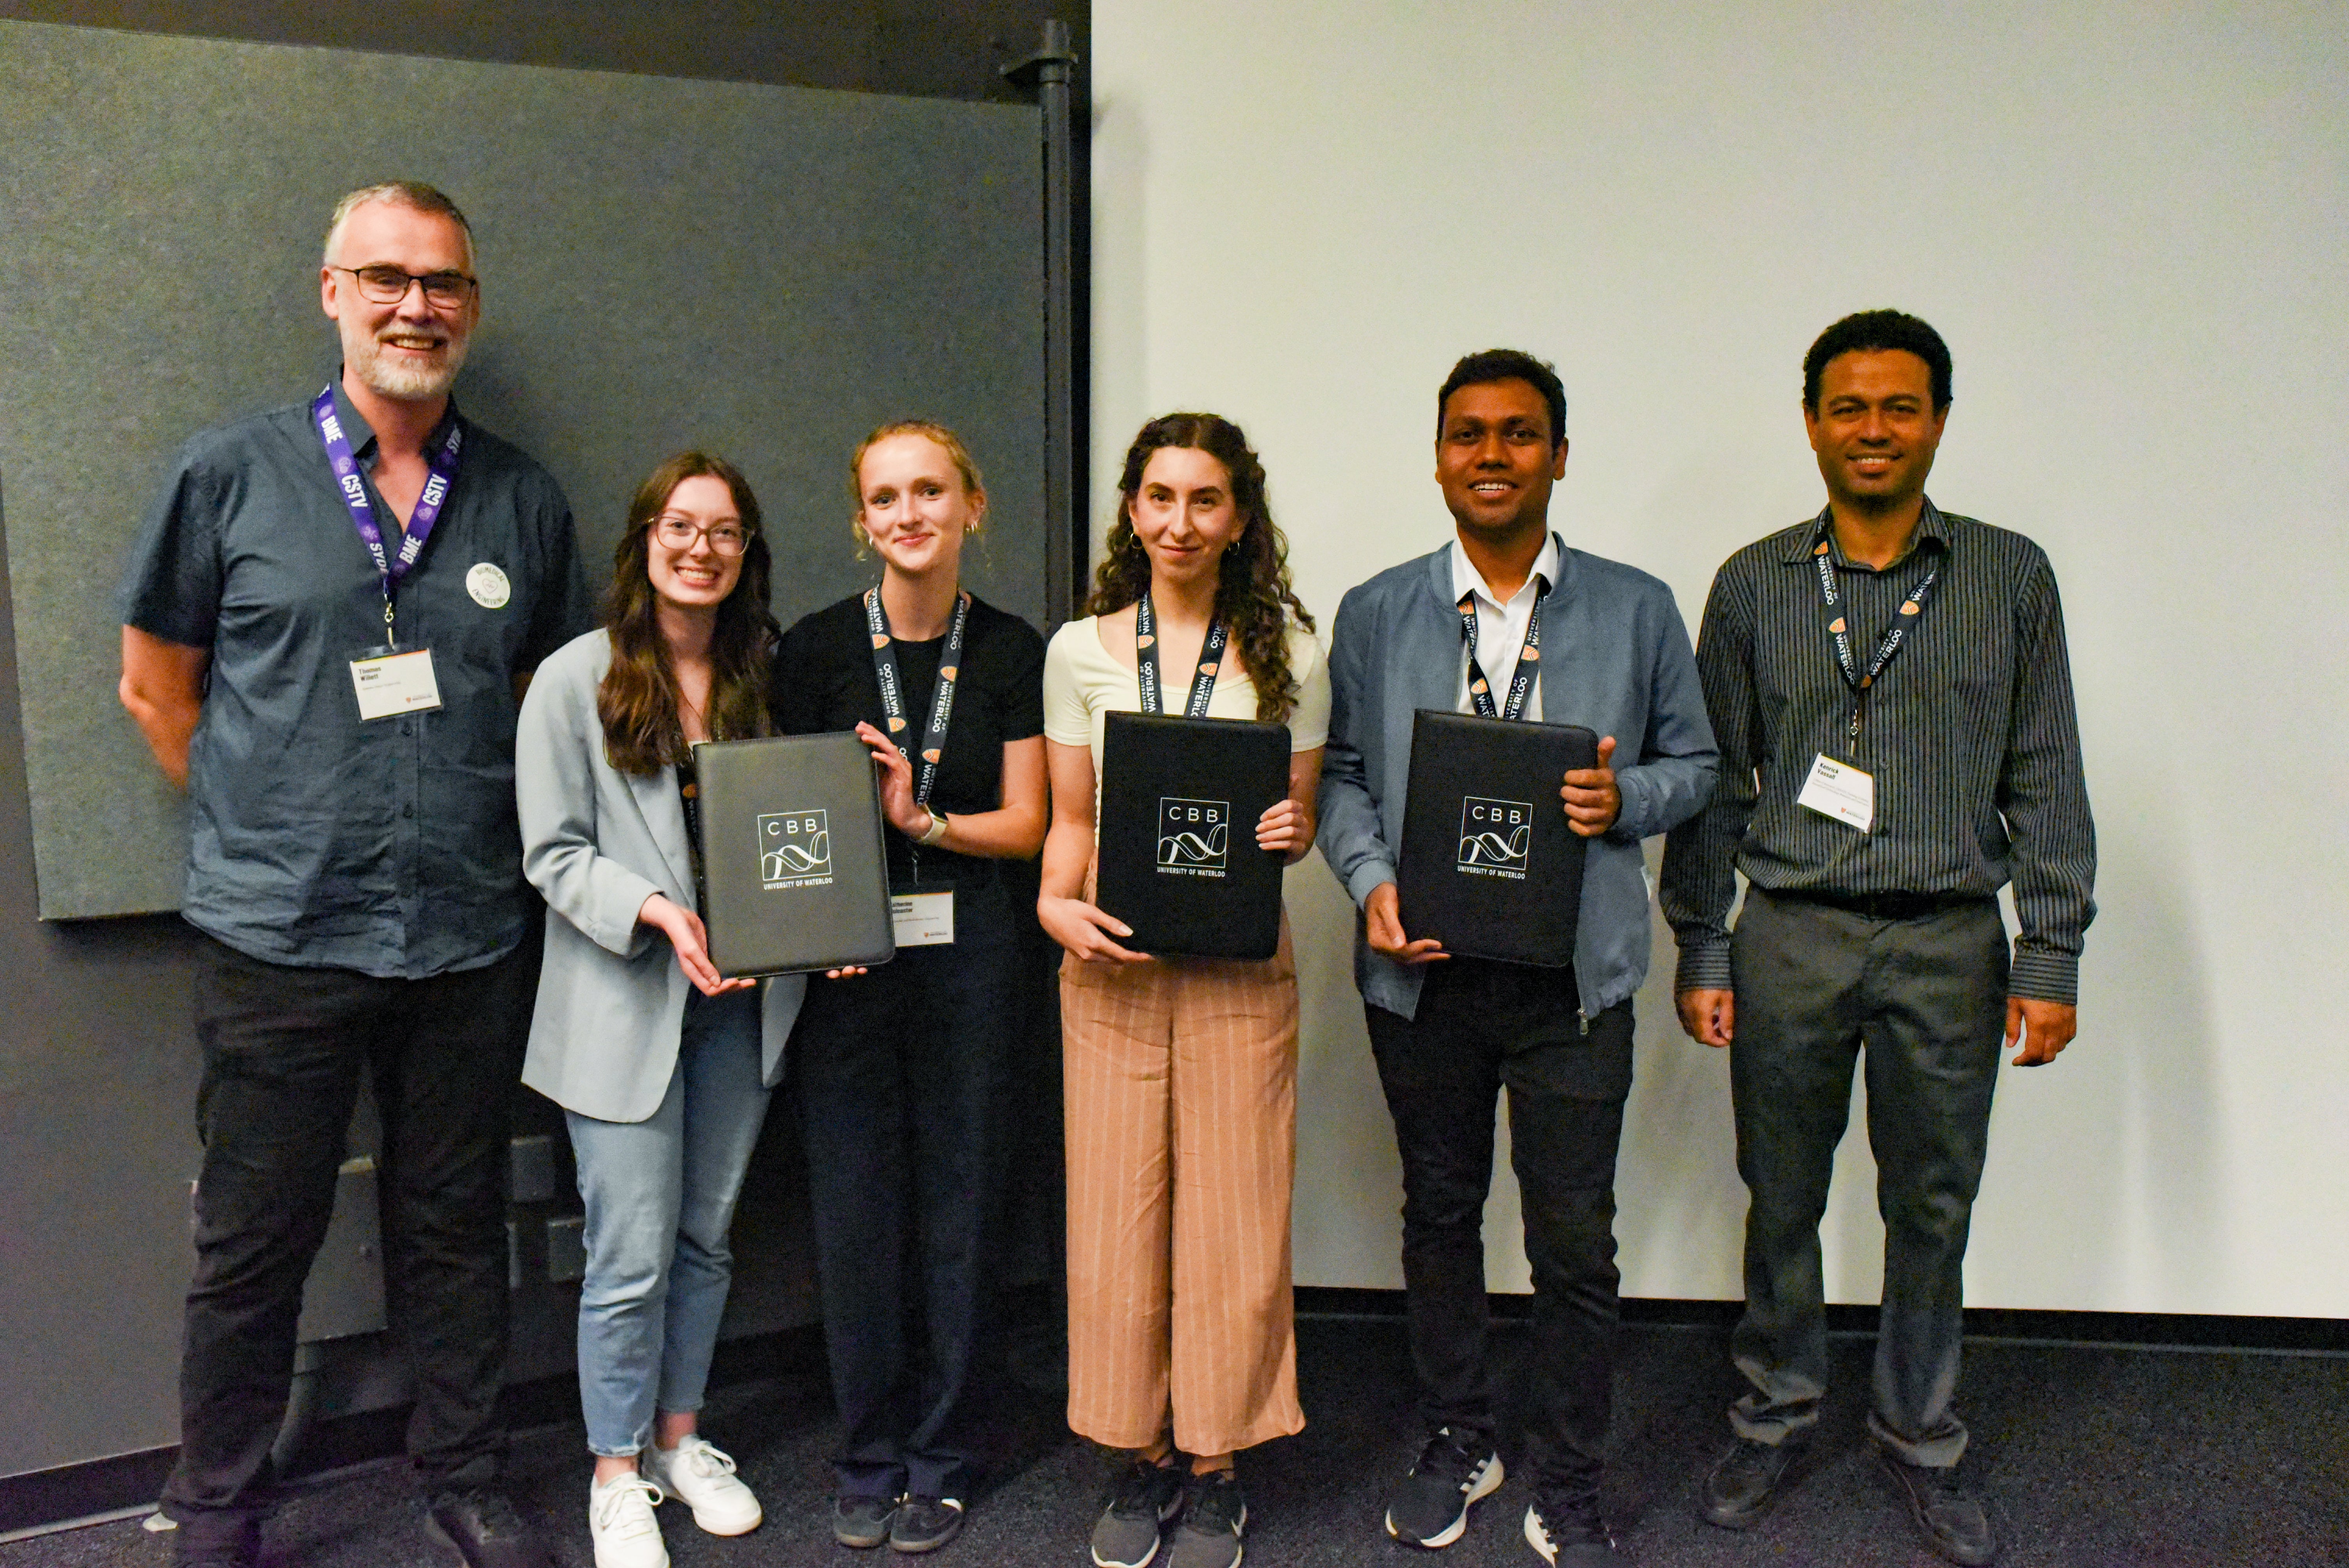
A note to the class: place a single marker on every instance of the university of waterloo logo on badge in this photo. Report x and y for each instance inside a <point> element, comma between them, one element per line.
<point>1193,836</point>
<point>1495,837</point>
<point>794,850</point>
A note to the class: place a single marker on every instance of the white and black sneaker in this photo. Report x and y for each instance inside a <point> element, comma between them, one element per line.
<point>1145,1498</point>
<point>1214,1521</point>
<point>1567,1532</point>
<point>1430,1508</point>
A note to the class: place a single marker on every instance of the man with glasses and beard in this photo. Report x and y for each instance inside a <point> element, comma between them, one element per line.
<point>328,620</point>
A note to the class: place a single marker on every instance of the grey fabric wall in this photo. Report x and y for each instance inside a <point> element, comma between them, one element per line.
<point>96,1065</point>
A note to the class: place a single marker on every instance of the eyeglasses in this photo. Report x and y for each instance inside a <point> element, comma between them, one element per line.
<point>389,285</point>
<point>682,532</point>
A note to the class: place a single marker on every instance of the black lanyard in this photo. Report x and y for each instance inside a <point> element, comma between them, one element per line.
<point>1146,660</point>
<point>892,690</point>
<point>1521,684</point>
<point>1839,629</point>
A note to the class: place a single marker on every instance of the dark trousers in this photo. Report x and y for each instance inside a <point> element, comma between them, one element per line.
<point>284,1049</point>
<point>1927,997</point>
<point>900,1074</point>
<point>1482,1027</point>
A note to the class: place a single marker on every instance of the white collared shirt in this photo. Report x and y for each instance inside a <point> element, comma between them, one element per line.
<point>1501,628</point>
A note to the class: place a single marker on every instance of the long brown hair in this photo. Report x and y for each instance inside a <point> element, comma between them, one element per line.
<point>1252,593</point>
<point>637,702</point>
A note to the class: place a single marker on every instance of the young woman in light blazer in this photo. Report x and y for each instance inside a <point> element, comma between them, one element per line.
<point>662,1068</point>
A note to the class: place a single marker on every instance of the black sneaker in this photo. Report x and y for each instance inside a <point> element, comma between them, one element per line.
<point>1567,1532</point>
<point>1747,1480</point>
<point>217,1539</point>
<point>479,1527</point>
<point>1430,1508</point>
<point>925,1523</point>
<point>1145,1497</point>
<point>1948,1516</point>
<point>862,1522</point>
<point>1213,1523</point>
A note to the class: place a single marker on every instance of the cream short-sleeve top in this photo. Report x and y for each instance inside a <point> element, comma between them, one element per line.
<point>1084,683</point>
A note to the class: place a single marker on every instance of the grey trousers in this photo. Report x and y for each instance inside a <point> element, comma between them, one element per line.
<point>1927,996</point>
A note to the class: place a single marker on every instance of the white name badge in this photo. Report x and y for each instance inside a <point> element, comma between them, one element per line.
<point>922,919</point>
<point>1839,790</point>
<point>392,684</point>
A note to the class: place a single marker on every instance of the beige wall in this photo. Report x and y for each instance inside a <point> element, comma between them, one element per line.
<point>2133,236</point>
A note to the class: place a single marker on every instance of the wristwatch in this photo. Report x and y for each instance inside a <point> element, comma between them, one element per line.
<point>935,831</point>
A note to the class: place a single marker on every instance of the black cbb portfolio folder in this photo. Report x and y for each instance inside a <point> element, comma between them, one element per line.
<point>1490,868</point>
<point>1180,799</point>
<point>795,874</point>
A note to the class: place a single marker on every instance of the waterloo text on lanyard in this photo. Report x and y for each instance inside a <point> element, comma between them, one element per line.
<point>1521,685</point>
<point>1146,660</point>
<point>1839,628</point>
<point>388,569</point>
<point>920,919</point>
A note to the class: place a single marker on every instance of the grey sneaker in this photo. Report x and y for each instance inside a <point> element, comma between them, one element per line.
<point>1145,1497</point>
<point>1567,1532</point>
<point>926,1523</point>
<point>1213,1523</point>
<point>862,1522</point>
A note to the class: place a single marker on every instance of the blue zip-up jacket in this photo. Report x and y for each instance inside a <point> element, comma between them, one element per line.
<point>1615,658</point>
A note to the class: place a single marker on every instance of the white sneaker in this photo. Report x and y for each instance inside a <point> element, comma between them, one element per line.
<point>703,1478</point>
<point>620,1520</point>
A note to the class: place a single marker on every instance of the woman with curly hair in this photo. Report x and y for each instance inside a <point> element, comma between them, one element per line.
<point>1180,1075</point>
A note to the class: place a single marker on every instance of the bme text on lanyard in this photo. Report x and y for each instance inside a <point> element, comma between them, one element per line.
<point>388,681</point>
<point>921,919</point>
<point>1835,789</point>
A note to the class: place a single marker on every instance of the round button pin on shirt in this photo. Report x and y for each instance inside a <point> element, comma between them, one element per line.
<point>488,587</point>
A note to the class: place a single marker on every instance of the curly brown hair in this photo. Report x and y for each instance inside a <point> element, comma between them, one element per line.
<point>1252,593</point>
<point>637,702</point>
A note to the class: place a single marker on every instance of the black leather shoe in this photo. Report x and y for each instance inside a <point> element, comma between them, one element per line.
<point>479,1528</point>
<point>925,1523</point>
<point>1746,1481</point>
<point>1948,1516</point>
<point>217,1540</point>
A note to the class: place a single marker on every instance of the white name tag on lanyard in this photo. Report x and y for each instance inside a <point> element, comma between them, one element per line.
<point>1839,790</point>
<point>390,685</point>
<point>922,919</point>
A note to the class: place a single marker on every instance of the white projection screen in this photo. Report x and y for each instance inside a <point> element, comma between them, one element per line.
<point>2133,228</point>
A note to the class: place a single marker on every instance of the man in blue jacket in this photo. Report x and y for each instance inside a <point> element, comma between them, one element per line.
<point>1599,645</point>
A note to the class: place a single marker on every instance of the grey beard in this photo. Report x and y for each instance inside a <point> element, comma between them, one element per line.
<point>410,383</point>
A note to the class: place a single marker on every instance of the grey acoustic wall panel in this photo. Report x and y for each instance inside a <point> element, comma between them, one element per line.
<point>766,271</point>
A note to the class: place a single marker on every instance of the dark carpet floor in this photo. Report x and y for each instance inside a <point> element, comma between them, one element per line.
<point>2090,1457</point>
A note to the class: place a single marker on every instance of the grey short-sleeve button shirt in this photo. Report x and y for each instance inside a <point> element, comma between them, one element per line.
<point>389,847</point>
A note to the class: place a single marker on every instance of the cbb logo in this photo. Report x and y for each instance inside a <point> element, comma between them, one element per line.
<point>1194,835</point>
<point>1495,835</point>
<point>794,847</point>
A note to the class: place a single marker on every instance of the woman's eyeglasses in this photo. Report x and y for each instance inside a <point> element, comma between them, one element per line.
<point>681,532</point>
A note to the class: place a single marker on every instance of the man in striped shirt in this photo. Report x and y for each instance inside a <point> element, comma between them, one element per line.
<point>1892,698</point>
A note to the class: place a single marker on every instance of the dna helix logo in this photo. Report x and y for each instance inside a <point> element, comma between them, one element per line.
<point>1494,835</point>
<point>1193,836</point>
<point>794,849</point>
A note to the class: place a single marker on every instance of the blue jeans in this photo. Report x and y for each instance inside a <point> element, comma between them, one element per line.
<point>660,1198</point>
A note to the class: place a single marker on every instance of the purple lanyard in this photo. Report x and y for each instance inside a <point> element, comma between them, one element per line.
<point>390,570</point>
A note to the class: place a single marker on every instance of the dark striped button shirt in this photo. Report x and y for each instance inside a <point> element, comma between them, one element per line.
<point>1970,733</point>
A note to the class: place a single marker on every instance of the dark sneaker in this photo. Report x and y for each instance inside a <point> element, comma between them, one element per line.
<point>1430,1508</point>
<point>1567,1532</point>
<point>1213,1523</point>
<point>1747,1480</point>
<point>862,1522</point>
<point>926,1523</point>
<point>217,1540</point>
<point>1145,1497</point>
<point>479,1527</point>
<point>1948,1516</point>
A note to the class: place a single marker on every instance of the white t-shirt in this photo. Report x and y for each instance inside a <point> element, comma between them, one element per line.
<point>1085,683</point>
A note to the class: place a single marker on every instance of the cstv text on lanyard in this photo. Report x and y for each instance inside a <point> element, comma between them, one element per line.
<point>387,681</point>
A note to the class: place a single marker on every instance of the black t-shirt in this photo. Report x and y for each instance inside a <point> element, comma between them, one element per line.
<point>823,680</point>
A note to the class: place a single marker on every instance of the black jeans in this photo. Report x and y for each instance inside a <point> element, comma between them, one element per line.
<point>1928,998</point>
<point>284,1049</point>
<point>1483,1027</point>
<point>900,1074</point>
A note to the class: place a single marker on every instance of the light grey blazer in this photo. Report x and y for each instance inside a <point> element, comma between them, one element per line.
<point>596,843</point>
